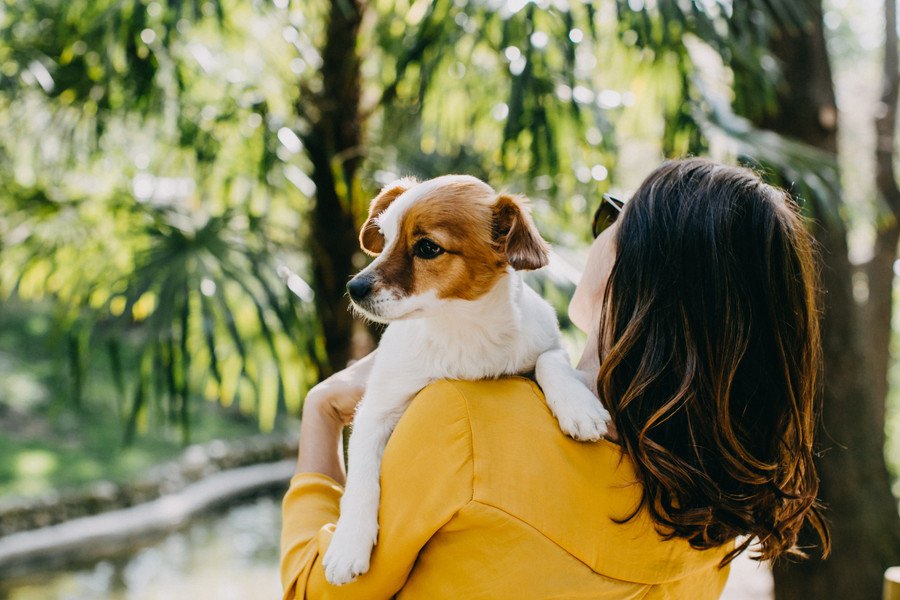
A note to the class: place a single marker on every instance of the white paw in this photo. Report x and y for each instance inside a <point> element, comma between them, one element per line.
<point>348,553</point>
<point>580,414</point>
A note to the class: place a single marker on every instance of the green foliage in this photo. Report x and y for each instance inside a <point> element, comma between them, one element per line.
<point>48,444</point>
<point>187,282</point>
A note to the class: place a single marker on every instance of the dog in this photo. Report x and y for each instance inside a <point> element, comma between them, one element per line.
<point>445,279</point>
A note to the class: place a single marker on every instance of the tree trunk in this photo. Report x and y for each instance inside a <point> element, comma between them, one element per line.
<point>855,484</point>
<point>334,146</point>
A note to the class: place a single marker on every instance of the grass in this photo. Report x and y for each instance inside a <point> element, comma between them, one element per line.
<point>47,442</point>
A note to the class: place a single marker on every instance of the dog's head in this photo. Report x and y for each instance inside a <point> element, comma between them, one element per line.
<point>452,237</point>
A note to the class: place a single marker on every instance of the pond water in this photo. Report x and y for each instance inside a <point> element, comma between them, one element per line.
<point>230,555</point>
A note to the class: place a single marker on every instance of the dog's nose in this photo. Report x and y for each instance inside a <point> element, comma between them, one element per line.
<point>359,288</point>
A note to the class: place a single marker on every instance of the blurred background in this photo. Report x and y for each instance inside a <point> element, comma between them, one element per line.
<point>181,183</point>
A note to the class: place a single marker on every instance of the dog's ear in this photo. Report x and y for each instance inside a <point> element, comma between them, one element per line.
<point>516,235</point>
<point>370,238</point>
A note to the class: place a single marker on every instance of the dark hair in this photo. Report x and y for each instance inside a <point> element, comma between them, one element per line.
<point>710,357</point>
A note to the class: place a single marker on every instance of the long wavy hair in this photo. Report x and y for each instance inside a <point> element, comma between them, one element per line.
<point>710,357</point>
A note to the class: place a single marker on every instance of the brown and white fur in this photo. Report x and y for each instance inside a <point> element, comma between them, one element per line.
<point>463,314</point>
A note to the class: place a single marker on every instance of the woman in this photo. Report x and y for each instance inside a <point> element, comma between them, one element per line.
<point>700,307</point>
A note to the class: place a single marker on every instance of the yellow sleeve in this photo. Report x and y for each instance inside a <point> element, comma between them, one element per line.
<point>311,502</point>
<point>426,477</point>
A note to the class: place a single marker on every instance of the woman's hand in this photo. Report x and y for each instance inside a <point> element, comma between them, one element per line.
<point>328,408</point>
<point>338,395</point>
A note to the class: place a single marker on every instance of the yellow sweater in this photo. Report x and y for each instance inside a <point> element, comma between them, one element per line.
<point>484,497</point>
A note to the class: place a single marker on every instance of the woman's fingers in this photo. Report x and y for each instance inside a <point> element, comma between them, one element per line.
<point>340,393</point>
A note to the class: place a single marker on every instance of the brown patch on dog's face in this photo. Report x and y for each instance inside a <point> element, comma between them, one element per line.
<point>459,222</point>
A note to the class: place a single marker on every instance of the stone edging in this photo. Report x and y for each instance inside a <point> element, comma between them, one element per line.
<point>195,463</point>
<point>92,538</point>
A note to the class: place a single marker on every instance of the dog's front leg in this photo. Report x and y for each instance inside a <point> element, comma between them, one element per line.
<point>579,412</point>
<point>357,528</point>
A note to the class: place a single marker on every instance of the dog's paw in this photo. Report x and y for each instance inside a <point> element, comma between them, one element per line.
<point>348,554</point>
<point>580,414</point>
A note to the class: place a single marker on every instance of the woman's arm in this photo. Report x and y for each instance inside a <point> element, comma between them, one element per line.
<point>328,408</point>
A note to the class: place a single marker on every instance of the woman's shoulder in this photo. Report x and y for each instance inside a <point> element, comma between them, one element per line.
<point>505,429</point>
<point>483,401</point>
<point>471,404</point>
<point>509,421</point>
<point>510,411</point>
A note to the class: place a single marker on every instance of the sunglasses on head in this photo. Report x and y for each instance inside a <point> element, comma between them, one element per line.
<point>606,214</point>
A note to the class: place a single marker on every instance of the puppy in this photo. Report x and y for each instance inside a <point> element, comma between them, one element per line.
<point>444,277</point>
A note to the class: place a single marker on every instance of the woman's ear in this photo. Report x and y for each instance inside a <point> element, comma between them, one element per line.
<point>516,235</point>
<point>370,238</point>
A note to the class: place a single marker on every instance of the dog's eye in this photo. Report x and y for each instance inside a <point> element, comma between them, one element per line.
<point>427,249</point>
